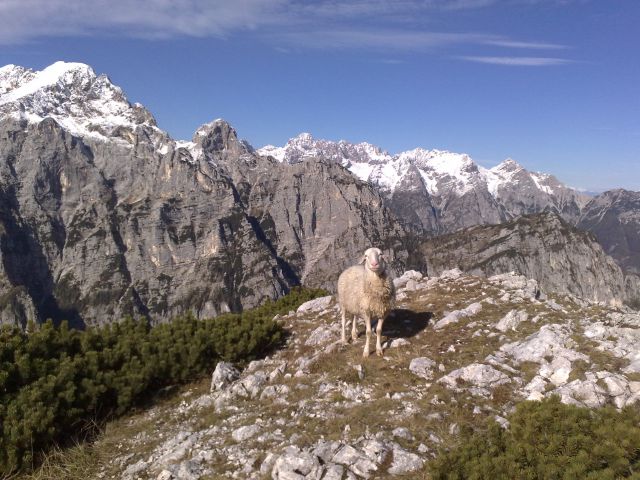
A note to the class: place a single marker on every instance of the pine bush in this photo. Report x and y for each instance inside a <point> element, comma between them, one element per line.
<point>55,381</point>
<point>548,440</point>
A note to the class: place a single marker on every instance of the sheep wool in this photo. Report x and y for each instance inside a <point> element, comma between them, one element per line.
<point>366,291</point>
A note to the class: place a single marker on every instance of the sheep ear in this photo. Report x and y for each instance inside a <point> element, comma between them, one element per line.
<point>363,259</point>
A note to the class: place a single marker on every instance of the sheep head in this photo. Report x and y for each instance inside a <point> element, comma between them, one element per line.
<point>373,259</point>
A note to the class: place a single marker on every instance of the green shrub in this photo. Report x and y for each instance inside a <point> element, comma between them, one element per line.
<point>56,381</point>
<point>548,440</point>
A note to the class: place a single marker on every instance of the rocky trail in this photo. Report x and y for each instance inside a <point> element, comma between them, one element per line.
<point>459,349</point>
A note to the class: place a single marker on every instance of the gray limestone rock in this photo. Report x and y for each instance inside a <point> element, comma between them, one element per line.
<point>224,374</point>
<point>511,320</point>
<point>165,475</point>
<point>333,472</point>
<point>244,433</point>
<point>320,335</point>
<point>355,460</point>
<point>295,464</point>
<point>402,280</point>
<point>475,375</point>
<point>404,462</point>
<point>134,469</point>
<point>315,305</point>
<point>402,432</point>
<point>455,316</point>
<point>422,367</point>
<point>249,386</point>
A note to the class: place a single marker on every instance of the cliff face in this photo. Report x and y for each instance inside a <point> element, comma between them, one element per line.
<point>159,235</point>
<point>544,247</point>
<point>614,218</point>
<point>314,214</point>
<point>94,230</point>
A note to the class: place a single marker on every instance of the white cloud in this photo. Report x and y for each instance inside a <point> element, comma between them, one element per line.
<point>531,45</point>
<point>287,24</point>
<point>519,61</point>
<point>24,20</point>
<point>378,39</point>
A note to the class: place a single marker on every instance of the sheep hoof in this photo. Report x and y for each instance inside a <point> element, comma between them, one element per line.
<point>380,353</point>
<point>354,338</point>
<point>365,354</point>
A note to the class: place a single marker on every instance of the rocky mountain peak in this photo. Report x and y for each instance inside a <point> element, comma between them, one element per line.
<point>12,76</point>
<point>508,165</point>
<point>219,136</point>
<point>83,103</point>
<point>303,138</point>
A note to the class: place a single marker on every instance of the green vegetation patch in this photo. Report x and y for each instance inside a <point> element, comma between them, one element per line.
<point>56,382</point>
<point>548,440</point>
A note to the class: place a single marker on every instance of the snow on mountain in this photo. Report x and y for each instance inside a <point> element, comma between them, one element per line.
<point>85,104</point>
<point>441,171</point>
<point>12,76</point>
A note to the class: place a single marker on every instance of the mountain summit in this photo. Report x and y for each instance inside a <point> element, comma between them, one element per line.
<point>84,103</point>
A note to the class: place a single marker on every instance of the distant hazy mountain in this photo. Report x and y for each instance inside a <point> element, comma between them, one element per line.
<point>614,218</point>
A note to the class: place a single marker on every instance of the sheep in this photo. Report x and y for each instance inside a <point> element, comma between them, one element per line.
<point>366,290</point>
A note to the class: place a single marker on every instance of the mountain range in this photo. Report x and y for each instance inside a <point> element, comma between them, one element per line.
<point>103,214</point>
<point>441,191</point>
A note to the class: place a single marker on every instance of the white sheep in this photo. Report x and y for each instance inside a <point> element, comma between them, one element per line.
<point>366,290</point>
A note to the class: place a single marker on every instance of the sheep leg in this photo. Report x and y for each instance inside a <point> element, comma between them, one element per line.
<point>354,332</point>
<point>343,338</point>
<point>379,351</point>
<point>367,322</point>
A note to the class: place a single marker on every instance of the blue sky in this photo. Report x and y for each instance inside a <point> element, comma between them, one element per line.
<point>554,84</point>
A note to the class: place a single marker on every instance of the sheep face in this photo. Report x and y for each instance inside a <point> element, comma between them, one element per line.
<point>373,260</point>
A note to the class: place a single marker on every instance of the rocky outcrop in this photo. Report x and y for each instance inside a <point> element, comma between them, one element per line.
<point>543,247</point>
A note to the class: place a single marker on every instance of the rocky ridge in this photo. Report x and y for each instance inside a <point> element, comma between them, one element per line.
<point>542,246</point>
<point>459,349</point>
<point>441,191</point>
